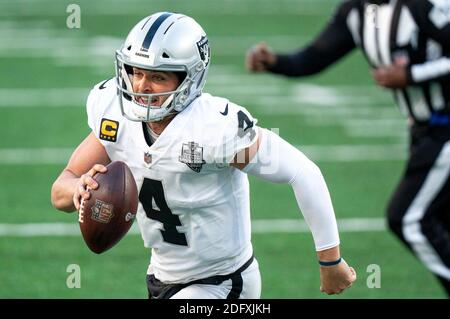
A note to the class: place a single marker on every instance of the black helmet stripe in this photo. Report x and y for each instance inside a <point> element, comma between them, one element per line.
<point>152,31</point>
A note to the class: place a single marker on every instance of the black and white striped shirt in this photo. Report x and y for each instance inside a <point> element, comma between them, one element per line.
<point>416,31</point>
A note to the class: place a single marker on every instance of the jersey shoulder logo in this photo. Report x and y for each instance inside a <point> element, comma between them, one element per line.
<point>108,130</point>
<point>192,156</point>
<point>102,86</point>
<point>224,113</point>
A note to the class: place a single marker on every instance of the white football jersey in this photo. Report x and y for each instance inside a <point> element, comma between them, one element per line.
<point>194,209</point>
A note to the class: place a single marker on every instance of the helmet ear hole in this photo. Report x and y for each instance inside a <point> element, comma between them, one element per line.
<point>129,48</point>
<point>165,55</point>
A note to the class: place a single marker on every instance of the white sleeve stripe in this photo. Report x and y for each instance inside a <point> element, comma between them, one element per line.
<point>353,25</point>
<point>440,14</point>
<point>430,70</point>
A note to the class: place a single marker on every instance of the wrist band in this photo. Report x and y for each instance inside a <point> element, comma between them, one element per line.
<point>330,263</point>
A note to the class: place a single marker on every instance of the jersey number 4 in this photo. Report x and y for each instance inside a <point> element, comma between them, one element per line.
<point>152,189</point>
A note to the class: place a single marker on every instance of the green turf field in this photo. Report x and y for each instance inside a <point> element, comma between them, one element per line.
<point>340,119</point>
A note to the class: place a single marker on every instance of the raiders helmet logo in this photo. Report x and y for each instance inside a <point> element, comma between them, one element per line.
<point>204,50</point>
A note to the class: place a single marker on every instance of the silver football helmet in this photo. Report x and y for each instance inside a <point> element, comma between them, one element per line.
<point>163,41</point>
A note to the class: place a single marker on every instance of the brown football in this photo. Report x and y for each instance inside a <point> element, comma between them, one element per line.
<point>111,209</point>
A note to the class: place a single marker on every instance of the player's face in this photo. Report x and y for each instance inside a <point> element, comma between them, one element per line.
<point>151,82</point>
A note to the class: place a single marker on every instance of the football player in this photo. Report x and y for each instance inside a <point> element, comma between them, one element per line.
<point>190,154</point>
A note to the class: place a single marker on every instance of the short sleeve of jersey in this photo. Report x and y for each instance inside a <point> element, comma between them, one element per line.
<point>99,104</point>
<point>238,132</point>
<point>92,110</point>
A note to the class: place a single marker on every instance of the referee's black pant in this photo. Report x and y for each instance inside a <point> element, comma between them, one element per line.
<point>419,210</point>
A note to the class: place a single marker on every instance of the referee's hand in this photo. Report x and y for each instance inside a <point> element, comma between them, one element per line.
<point>259,58</point>
<point>335,279</point>
<point>394,76</point>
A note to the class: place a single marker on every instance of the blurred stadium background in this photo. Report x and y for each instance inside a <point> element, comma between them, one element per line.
<point>340,119</point>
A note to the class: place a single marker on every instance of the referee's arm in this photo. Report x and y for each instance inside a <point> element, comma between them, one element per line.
<point>334,42</point>
<point>434,22</point>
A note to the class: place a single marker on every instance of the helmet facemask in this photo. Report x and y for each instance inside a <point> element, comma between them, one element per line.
<point>140,106</point>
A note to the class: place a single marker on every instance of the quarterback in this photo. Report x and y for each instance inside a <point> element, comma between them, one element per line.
<point>190,153</point>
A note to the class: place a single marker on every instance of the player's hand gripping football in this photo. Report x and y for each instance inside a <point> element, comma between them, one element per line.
<point>86,181</point>
<point>335,279</point>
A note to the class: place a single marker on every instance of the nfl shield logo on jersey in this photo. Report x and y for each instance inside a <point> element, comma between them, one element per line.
<point>192,156</point>
<point>147,157</point>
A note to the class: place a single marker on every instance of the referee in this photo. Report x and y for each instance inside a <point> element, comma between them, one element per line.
<point>407,44</point>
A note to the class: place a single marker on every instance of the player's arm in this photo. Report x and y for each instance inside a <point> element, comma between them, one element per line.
<point>275,160</point>
<point>89,158</point>
<point>334,42</point>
